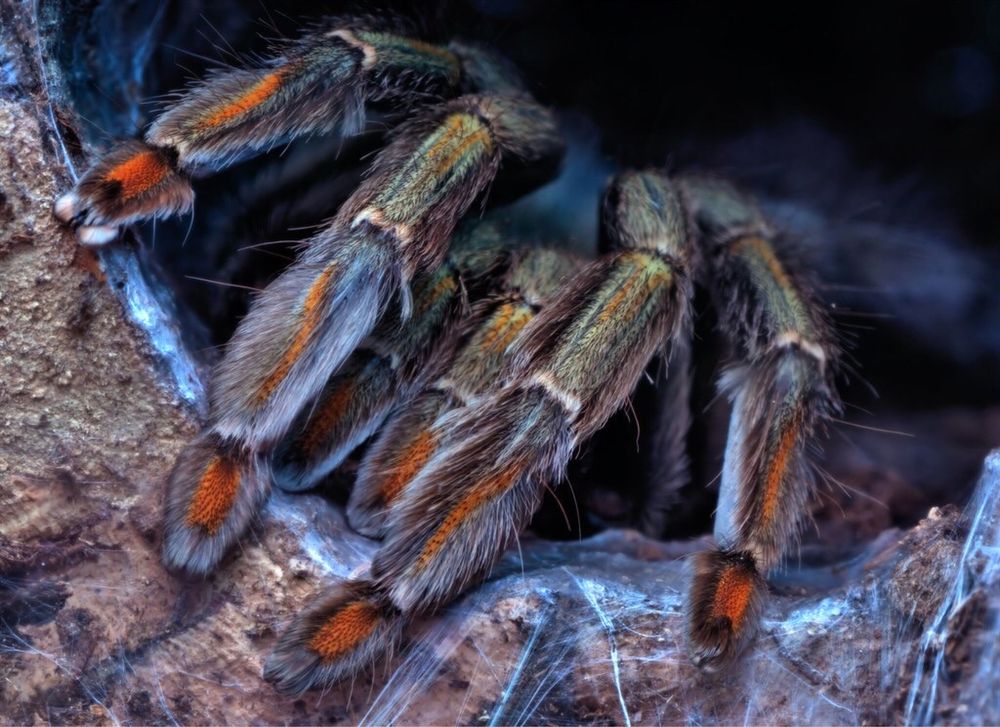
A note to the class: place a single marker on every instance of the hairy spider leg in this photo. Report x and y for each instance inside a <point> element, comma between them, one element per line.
<point>306,323</point>
<point>781,390</point>
<point>215,492</point>
<point>316,84</point>
<point>396,358</point>
<point>411,437</point>
<point>345,630</point>
<point>576,363</point>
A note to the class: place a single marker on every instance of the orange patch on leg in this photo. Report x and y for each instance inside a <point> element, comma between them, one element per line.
<point>498,322</point>
<point>410,461</point>
<point>766,253</point>
<point>446,286</point>
<point>480,494</point>
<point>457,132</point>
<point>139,173</point>
<point>776,472</point>
<point>628,290</point>
<point>331,411</point>
<point>619,297</point>
<point>522,317</point>
<point>481,137</point>
<point>248,100</point>
<point>733,594</point>
<point>311,317</point>
<point>343,631</point>
<point>215,495</point>
<point>506,323</point>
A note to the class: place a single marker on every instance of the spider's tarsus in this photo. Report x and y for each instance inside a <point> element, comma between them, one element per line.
<point>132,181</point>
<point>213,494</point>
<point>411,437</point>
<point>345,630</point>
<point>724,604</point>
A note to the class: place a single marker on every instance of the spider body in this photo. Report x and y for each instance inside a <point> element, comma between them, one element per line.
<point>484,361</point>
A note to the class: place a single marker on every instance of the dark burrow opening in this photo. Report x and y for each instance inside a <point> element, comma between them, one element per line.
<point>878,157</point>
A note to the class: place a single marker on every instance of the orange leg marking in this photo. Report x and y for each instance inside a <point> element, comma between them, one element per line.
<point>446,286</point>
<point>248,100</point>
<point>522,316</point>
<point>653,282</point>
<point>498,322</point>
<point>481,493</point>
<point>480,136</point>
<point>776,472</point>
<point>453,124</point>
<point>766,253</point>
<point>331,411</point>
<point>139,173</point>
<point>410,461</point>
<point>215,495</point>
<point>657,278</point>
<point>619,297</point>
<point>311,317</point>
<point>343,631</point>
<point>732,596</point>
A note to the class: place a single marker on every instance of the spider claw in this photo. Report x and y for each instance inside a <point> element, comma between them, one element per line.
<point>341,633</point>
<point>97,235</point>
<point>65,208</point>
<point>212,495</point>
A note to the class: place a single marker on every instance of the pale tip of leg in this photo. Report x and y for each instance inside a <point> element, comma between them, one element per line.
<point>65,209</point>
<point>97,234</point>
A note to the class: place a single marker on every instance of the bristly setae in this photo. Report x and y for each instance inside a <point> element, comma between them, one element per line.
<point>476,360</point>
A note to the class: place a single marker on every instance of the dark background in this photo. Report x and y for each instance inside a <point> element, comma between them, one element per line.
<point>911,87</point>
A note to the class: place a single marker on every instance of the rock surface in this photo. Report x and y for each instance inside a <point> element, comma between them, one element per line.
<point>96,398</point>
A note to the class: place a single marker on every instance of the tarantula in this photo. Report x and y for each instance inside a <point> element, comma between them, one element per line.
<point>481,363</point>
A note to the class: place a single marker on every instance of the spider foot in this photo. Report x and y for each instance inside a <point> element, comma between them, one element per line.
<point>726,598</point>
<point>344,631</point>
<point>212,495</point>
<point>133,181</point>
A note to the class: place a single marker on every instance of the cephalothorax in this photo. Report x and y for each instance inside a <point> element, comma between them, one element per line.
<point>478,364</point>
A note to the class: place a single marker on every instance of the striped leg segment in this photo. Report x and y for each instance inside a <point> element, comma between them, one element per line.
<point>397,357</point>
<point>469,503</point>
<point>319,83</point>
<point>395,228</point>
<point>352,405</point>
<point>412,436</point>
<point>781,390</point>
<point>573,365</point>
<point>403,448</point>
